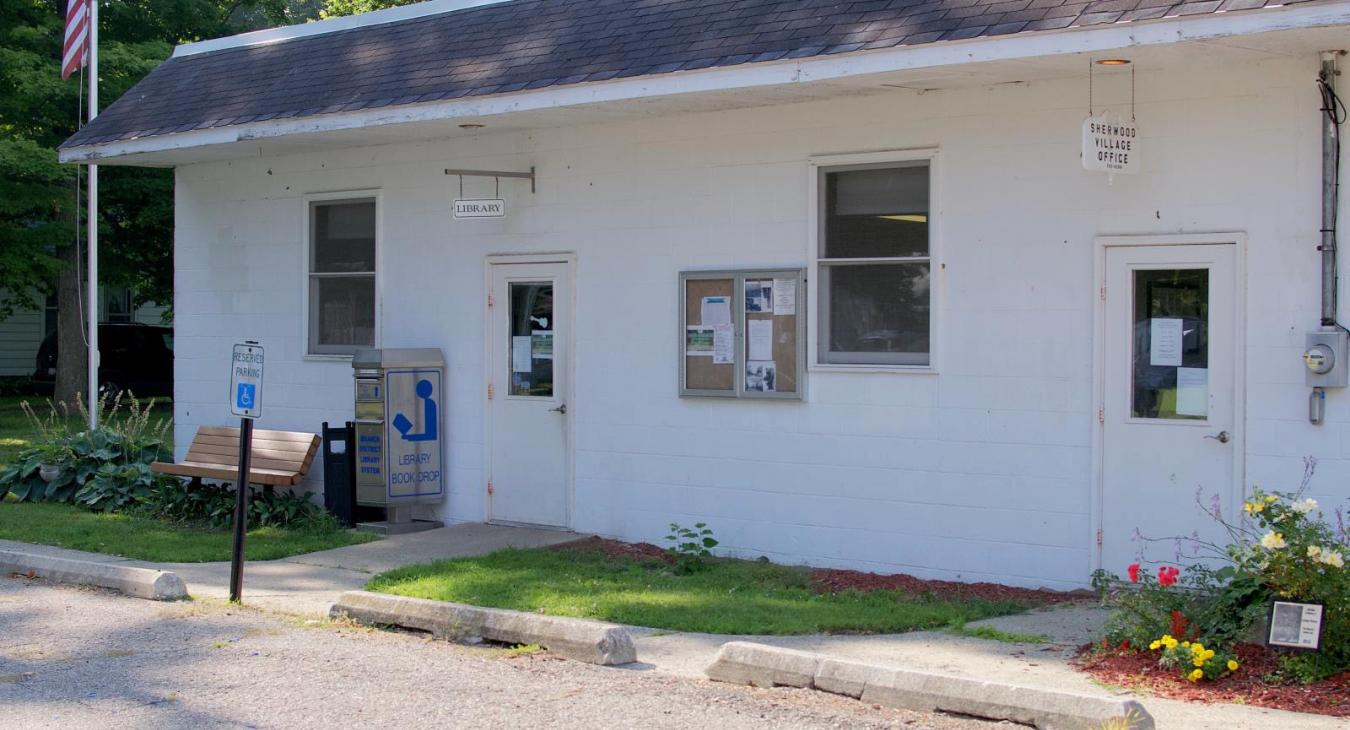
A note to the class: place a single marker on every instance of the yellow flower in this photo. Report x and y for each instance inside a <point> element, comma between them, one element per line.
<point>1314,551</point>
<point>1199,662</point>
<point>1271,499</point>
<point>1185,643</point>
<point>1232,665</point>
<point>1273,541</point>
<point>1154,646</point>
<point>1333,559</point>
<point>1196,675</point>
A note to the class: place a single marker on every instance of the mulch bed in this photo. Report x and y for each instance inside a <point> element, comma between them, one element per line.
<point>831,580</point>
<point>1139,670</point>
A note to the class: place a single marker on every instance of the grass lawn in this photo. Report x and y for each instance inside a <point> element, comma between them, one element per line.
<point>17,433</point>
<point>728,597</point>
<point>138,538</point>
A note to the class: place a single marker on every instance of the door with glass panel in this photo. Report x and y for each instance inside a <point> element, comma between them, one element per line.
<point>1169,400</point>
<point>528,421</point>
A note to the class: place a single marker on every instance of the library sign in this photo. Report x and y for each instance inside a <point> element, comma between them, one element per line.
<point>1110,145</point>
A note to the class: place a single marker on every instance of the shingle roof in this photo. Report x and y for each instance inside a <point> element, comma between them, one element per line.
<point>531,44</point>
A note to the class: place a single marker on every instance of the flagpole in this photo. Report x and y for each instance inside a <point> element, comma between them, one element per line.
<point>92,224</point>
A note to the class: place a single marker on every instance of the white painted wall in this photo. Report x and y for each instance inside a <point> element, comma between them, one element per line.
<point>980,472</point>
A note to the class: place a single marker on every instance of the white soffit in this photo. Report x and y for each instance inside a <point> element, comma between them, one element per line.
<point>1220,37</point>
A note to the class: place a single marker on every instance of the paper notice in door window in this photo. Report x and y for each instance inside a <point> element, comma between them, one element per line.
<point>541,345</point>
<point>724,339</point>
<point>521,360</point>
<point>715,310</point>
<point>1192,391</point>
<point>1165,341</point>
<point>759,296</point>
<point>759,339</point>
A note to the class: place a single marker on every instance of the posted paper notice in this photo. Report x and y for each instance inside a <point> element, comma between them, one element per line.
<point>784,296</point>
<point>715,310</point>
<point>698,341</point>
<point>759,339</point>
<point>1164,334</point>
<point>723,345</point>
<point>521,354</point>
<point>1192,391</point>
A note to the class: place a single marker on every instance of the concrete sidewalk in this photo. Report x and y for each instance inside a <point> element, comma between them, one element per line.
<point>309,584</point>
<point>1028,665</point>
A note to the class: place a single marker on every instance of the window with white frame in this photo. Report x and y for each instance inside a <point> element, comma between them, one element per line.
<point>341,276</point>
<point>873,265</point>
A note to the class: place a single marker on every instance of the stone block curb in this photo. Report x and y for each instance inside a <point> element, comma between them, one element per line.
<point>594,642</point>
<point>156,585</point>
<point>742,662</point>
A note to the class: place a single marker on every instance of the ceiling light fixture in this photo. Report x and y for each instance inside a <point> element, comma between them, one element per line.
<point>1114,62</point>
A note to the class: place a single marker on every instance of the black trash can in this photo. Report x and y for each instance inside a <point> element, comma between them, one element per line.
<point>339,472</point>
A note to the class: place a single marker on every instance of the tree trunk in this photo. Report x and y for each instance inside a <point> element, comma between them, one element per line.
<point>72,353</point>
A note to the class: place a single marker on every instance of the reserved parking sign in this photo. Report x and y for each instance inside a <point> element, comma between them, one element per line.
<point>246,375</point>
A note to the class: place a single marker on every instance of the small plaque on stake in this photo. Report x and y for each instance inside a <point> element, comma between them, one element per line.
<point>1295,625</point>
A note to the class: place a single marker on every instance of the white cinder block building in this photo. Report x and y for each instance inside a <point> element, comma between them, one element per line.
<point>978,360</point>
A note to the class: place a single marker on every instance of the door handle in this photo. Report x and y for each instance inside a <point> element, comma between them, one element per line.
<point>1222,437</point>
<point>560,409</point>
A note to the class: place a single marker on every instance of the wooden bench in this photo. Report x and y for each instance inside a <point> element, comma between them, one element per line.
<point>280,458</point>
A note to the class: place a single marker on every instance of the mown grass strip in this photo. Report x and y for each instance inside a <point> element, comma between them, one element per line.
<point>726,597</point>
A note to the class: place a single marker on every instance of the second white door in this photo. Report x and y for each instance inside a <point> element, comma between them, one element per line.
<point>529,425</point>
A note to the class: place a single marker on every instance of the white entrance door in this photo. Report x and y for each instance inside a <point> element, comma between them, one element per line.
<point>1169,414</point>
<point>528,423</point>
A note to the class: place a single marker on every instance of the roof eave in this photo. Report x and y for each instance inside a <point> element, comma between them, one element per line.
<point>1074,40</point>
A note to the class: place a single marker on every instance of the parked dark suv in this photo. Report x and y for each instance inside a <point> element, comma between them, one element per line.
<point>134,357</point>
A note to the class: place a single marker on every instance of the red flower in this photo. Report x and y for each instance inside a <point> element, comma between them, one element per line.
<point>1167,575</point>
<point>1125,645</point>
<point>1134,572</point>
<point>1179,623</point>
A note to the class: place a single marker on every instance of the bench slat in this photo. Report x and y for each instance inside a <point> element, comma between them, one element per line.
<point>264,477</point>
<point>280,458</point>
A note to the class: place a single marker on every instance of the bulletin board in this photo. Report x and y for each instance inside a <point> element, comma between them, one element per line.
<point>743,333</point>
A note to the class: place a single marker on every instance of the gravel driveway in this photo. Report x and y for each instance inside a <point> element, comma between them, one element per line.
<point>73,657</point>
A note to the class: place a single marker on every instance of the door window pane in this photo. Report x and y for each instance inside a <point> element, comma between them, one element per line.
<point>1171,344</point>
<point>877,314</point>
<point>532,328</point>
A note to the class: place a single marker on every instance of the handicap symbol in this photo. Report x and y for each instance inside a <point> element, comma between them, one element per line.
<point>403,425</point>
<point>246,395</point>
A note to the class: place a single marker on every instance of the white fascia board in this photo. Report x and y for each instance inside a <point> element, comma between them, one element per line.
<point>1091,39</point>
<point>330,25</point>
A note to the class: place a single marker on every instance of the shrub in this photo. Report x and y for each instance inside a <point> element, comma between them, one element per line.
<point>1283,548</point>
<point>126,436</point>
<point>213,504</point>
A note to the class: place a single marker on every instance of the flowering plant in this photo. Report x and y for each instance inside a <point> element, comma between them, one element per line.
<point>1193,659</point>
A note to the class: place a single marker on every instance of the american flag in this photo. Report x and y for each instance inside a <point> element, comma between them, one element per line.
<point>76,47</point>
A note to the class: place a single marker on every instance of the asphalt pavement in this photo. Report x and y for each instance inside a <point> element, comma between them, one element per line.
<point>85,658</point>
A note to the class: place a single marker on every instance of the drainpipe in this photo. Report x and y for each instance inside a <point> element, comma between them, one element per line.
<point>1328,230</point>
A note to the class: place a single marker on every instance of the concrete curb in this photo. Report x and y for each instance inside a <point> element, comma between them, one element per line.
<point>760,665</point>
<point>580,639</point>
<point>156,585</point>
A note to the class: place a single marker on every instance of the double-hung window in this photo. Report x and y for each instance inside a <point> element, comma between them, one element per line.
<point>873,265</point>
<point>341,276</point>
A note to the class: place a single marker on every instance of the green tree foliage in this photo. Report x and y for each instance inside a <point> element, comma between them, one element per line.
<point>336,8</point>
<point>38,110</point>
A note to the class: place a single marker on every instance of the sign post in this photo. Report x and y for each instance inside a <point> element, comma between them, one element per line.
<point>246,375</point>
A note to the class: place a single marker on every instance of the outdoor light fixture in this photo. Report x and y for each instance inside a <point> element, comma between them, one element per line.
<point>1114,62</point>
